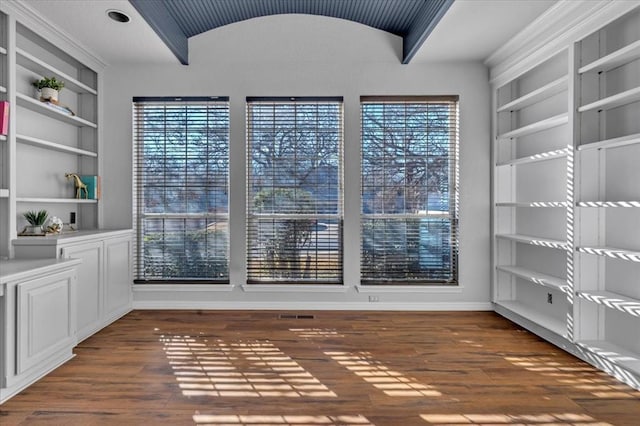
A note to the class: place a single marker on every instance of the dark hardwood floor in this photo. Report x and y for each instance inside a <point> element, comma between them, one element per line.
<point>321,368</point>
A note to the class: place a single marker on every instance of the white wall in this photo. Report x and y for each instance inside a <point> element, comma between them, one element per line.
<point>295,55</point>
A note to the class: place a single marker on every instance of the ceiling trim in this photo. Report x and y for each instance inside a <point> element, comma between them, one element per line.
<point>560,26</point>
<point>429,16</point>
<point>161,21</point>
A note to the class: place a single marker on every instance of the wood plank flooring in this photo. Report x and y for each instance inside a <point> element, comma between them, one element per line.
<point>250,368</point>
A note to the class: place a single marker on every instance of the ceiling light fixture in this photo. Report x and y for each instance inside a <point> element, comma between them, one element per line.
<point>118,16</point>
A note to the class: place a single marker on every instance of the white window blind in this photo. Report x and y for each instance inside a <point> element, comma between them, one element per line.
<point>409,190</point>
<point>294,190</point>
<point>181,169</point>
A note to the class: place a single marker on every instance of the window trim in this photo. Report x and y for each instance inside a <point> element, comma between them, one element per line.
<point>340,215</point>
<point>137,195</point>
<point>368,285</point>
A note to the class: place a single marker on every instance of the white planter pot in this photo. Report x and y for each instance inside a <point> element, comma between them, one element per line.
<point>49,94</point>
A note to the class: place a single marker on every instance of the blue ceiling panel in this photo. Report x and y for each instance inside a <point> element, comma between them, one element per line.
<point>412,20</point>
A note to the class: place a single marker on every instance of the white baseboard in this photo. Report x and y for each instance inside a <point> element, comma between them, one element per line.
<point>314,306</point>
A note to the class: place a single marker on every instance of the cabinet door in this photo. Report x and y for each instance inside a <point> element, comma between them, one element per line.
<point>89,294</point>
<point>46,318</point>
<point>118,261</point>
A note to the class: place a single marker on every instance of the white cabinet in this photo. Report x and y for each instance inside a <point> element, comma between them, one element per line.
<point>566,193</point>
<point>37,320</point>
<point>104,276</point>
<point>90,273</point>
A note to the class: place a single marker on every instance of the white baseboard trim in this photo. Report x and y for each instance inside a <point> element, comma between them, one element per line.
<point>314,306</point>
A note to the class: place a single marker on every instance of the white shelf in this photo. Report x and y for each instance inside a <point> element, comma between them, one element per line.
<point>3,137</point>
<point>3,89</point>
<point>612,143</point>
<point>537,95</point>
<point>612,353</point>
<point>617,253</point>
<point>536,241</point>
<point>536,127</point>
<point>624,204</point>
<point>535,158</point>
<point>55,200</point>
<point>627,54</point>
<point>4,193</point>
<point>535,204</point>
<point>544,280</point>
<point>3,51</point>
<point>42,108</point>
<point>53,145</point>
<point>611,300</point>
<point>614,101</point>
<point>527,312</point>
<point>38,66</point>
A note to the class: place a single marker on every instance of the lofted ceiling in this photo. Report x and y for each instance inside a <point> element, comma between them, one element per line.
<point>470,30</point>
<point>176,20</point>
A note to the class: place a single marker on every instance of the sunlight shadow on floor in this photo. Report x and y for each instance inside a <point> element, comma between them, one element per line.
<point>374,372</point>
<point>578,375</point>
<point>512,419</point>
<point>239,369</point>
<point>242,420</point>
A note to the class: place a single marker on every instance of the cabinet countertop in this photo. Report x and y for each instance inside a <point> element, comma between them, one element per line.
<point>16,269</point>
<point>70,237</point>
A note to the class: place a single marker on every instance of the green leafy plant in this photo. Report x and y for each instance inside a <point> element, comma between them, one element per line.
<point>51,83</point>
<point>36,218</point>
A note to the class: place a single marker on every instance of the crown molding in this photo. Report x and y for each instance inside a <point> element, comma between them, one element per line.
<point>32,19</point>
<point>564,23</point>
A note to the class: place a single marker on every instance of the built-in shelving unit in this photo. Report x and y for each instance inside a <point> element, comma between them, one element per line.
<point>566,155</point>
<point>531,152</point>
<point>52,139</point>
<point>5,175</point>
<point>607,140</point>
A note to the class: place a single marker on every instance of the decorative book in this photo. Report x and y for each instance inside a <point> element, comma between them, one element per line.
<point>4,117</point>
<point>93,186</point>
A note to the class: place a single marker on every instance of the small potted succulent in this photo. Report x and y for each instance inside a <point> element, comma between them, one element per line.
<point>36,220</point>
<point>49,88</point>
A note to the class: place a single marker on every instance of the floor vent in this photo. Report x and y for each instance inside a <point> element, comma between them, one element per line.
<point>296,316</point>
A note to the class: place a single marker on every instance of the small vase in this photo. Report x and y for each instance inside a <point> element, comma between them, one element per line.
<point>49,94</point>
<point>33,229</point>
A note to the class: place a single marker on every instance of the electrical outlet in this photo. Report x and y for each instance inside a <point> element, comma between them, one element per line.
<point>72,218</point>
<point>549,298</point>
<point>374,298</point>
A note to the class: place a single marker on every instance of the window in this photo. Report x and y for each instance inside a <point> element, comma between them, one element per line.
<point>294,190</point>
<point>181,170</point>
<point>409,190</point>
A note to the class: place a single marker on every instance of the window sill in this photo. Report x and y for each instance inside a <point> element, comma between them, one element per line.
<point>298,288</point>
<point>141,288</point>
<point>377,288</point>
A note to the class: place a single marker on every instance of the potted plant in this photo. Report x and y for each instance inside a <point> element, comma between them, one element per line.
<point>49,88</point>
<point>36,220</point>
